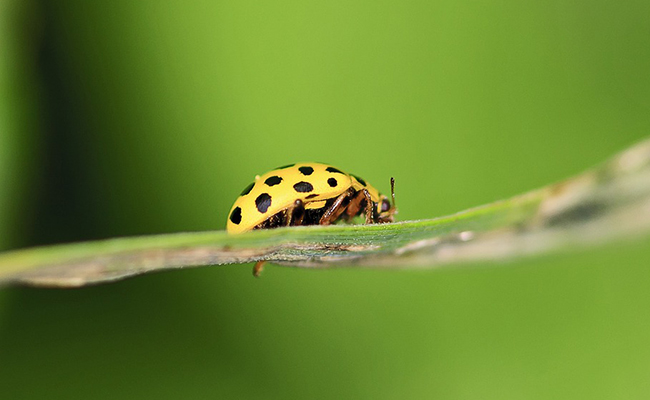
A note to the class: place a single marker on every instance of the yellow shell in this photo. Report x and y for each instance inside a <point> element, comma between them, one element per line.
<point>275,191</point>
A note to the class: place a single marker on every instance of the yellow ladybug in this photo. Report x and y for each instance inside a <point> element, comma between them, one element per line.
<point>307,194</point>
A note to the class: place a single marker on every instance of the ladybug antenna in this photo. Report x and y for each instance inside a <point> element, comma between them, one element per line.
<point>392,190</point>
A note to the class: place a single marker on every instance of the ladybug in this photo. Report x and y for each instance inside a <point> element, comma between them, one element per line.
<point>307,194</point>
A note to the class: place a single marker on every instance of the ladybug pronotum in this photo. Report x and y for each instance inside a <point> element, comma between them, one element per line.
<point>307,194</point>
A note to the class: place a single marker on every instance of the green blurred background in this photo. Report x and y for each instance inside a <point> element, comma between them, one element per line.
<point>142,117</point>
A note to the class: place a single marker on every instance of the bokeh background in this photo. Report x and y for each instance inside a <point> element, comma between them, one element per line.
<point>140,117</point>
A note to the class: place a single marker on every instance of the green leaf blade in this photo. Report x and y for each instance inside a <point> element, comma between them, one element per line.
<point>607,203</point>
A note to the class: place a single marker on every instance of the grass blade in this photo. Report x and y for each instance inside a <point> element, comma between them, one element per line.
<point>609,202</point>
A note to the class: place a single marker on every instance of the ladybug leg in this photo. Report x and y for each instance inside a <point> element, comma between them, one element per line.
<point>294,214</point>
<point>355,205</point>
<point>366,194</point>
<point>298,212</point>
<point>257,269</point>
<point>336,209</point>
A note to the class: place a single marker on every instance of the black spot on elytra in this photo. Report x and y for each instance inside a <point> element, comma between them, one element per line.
<point>263,202</point>
<point>332,182</point>
<point>361,181</point>
<point>286,166</point>
<point>332,169</point>
<point>235,216</point>
<point>303,187</point>
<point>272,180</point>
<point>248,189</point>
<point>311,196</point>
<point>306,170</point>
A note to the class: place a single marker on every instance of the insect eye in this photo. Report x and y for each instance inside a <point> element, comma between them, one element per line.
<point>385,205</point>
